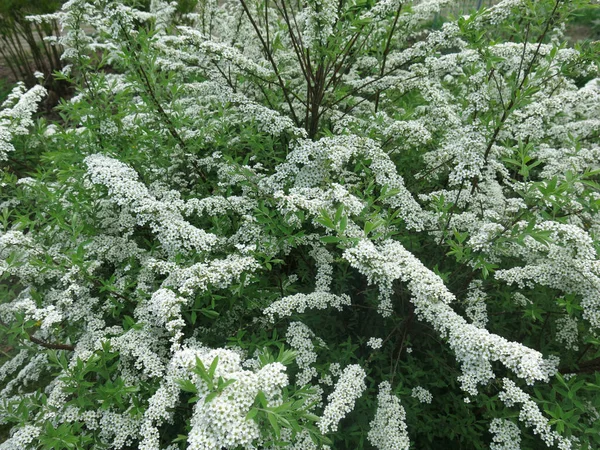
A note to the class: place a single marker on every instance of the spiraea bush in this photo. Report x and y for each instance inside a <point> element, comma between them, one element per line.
<point>304,225</point>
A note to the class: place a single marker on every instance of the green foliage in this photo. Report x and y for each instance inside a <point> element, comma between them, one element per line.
<point>211,143</point>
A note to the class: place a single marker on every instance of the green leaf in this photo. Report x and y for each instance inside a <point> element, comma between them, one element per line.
<point>343,224</point>
<point>222,385</point>
<point>210,313</point>
<point>252,414</point>
<point>338,213</point>
<point>201,371</point>
<point>210,397</point>
<point>213,367</point>
<point>262,399</point>
<point>180,438</point>
<point>274,424</point>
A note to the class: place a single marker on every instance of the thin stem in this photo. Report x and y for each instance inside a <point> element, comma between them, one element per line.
<point>451,212</point>
<point>40,342</point>
<point>272,61</point>
<point>51,345</point>
<point>513,99</point>
<point>387,50</point>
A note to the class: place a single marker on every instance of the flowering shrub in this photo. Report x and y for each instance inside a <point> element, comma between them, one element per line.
<point>266,224</point>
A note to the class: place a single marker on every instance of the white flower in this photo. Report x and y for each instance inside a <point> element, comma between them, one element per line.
<point>474,347</point>
<point>174,233</point>
<point>298,303</point>
<point>349,387</point>
<point>220,421</point>
<point>375,343</point>
<point>300,338</point>
<point>531,415</point>
<point>16,115</point>
<point>506,435</point>
<point>388,429</point>
<point>422,394</point>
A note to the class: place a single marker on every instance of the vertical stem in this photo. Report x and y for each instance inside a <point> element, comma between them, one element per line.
<point>513,98</point>
<point>272,61</point>
<point>386,51</point>
<point>9,63</point>
<point>20,56</point>
<point>317,98</point>
<point>44,45</point>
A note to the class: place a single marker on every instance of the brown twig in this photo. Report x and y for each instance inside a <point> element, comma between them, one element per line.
<point>272,61</point>
<point>50,345</point>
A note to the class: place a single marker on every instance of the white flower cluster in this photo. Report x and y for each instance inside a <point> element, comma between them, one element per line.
<point>501,10</point>
<point>143,351</point>
<point>21,438</point>
<point>10,366</point>
<point>321,16</point>
<point>24,305</point>
<point>388,428</point>
<point>117,429</point>
<point>348,389</point>
<point>466,147</point>
<point>375,343</point>
<point>164,310</point>
<point>16,115</point>
<point>476,307</point>
<point>323,261</point>
<point>217,205</point>
<point>568,262</point>
<point>567,332</point>
<point>507,435</point>
<point>20,247</point>
<point>474,347</point>
<point>75,41</point>
<point>199,48</point>
<point>422,394</point>
<point>311,162</point>
<point>298,303</point>
<point>221,421</point>
<point>303,441</point>
<point>163,13</point>
<point>28,374</point>
<point>174,233</point>
<point>531,415</point>
<point>408,133</point>
<point>300,338</point>
<point>315,201</point>
<point>218,273</point>
<point>215,95</point>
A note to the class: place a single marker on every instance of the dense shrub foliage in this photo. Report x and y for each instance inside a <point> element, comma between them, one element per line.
<point>275,224</point>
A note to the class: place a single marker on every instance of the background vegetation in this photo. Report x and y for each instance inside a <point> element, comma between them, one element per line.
<point>262,222</point>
